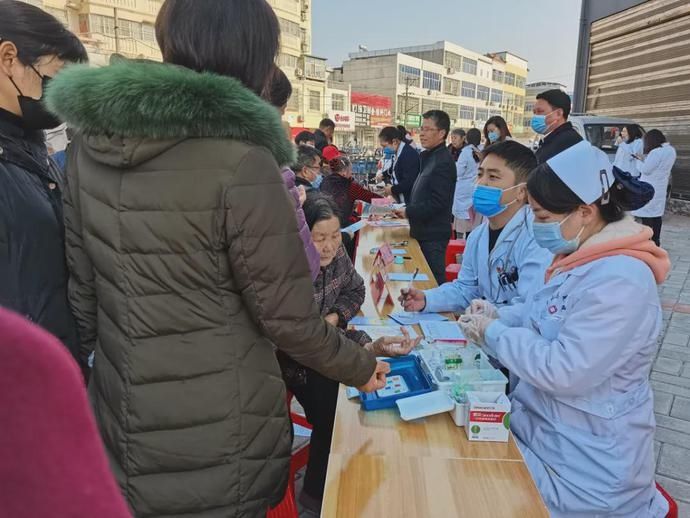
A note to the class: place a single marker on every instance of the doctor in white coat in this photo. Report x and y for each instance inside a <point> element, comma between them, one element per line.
<point>467,167</point>
<point>630,146</point>
<point>655,169</point>
<point>502,263</point>
<point>583,413</point>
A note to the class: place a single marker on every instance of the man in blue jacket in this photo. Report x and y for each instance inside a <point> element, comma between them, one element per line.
<point>406,164</point>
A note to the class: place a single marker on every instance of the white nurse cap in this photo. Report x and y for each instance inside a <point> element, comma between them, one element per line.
<point>586,170</point>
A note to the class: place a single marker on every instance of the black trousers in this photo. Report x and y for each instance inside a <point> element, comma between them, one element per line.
<point>435,254</point>
<point>655,225</point>
<point>318,398</point>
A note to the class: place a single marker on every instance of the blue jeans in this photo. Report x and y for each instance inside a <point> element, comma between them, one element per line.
<point>435,255</point>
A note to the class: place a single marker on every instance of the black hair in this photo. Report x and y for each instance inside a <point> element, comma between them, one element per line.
<point>557,99</point>
<point>519,159</point>
<point>339,164</point>
<point>652,140</point>
<point>440,118</point>
<point>403,132</point>
<point>474,136</point>
<point>36,33</point>
<point>549,191</point>
<point>390,133</point>
<point>319,207</point>
<point>500,123</point>
<point>634,132</point>
<point>305,158</point>
<point>326,123</point>
<point>304,136</point>
<point>236,38</point>
<point>280,89</point>
<point>459,132</point>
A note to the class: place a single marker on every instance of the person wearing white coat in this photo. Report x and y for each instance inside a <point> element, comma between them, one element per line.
<point>630,146</point>
<point>583,345</point>
<point>467,166</point>
<point>502,263</point>
<point>655,169</point>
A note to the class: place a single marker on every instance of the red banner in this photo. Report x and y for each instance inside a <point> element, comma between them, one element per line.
<point>372,110</point>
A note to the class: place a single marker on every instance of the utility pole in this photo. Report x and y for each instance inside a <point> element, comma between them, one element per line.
<point>116,30</point>
<point>407,94</point>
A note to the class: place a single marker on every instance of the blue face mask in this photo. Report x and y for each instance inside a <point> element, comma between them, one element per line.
<point>538,124</point>
<point>494,136</point>
<point>550,236</point>
<point>487,200</point>
<point>316,184</point>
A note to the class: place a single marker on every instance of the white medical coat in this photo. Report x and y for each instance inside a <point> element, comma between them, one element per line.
<point>656,170</point>
<point>624,156</point>
<point>479,274</point>
<point>583,412</point>
<point>467,170</point>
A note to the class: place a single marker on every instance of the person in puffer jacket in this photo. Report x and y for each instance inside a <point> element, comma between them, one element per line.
<point>279,94</point>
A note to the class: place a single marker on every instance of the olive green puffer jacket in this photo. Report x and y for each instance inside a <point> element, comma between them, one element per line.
<point>186,267</point>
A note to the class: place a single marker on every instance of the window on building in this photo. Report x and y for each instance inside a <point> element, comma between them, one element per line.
<point>519,120</point>
<point>497,76</point>
<point>520,81</point>
<point>493,113</point>
<point>409,105</point>
<point>289,27</point>
<point>509,79</point>
<point>287,61</point>
<point>453,61</point>
<point>496,96</point>
<point>102,24</point>
<point>469,66</point>
<point>338,102</point>
<point>432,81</point>
<point>148,33</point>
<point>469,89</point>
<point>519,102</point>
<point>314,68</point>
<point>483,93</point>
<point>508,99</point>
<point>294,101</point>
<point>129,29</point>
<point>429,104</point>
<point>453,110</point>
<point>466,113</point>
<point>482,115</point>
<point>409,75</point>
<point>314,100</point>
<point>451,86</point>
<point>529,107</point>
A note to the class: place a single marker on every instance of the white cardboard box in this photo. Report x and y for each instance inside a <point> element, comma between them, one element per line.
<point>488,416</point>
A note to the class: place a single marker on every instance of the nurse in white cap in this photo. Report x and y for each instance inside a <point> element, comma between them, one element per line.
<point>583,412</point>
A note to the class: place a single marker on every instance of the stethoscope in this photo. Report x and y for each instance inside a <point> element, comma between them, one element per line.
<point>508,276</point>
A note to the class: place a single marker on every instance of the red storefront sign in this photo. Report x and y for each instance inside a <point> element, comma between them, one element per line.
<point>372,110</point>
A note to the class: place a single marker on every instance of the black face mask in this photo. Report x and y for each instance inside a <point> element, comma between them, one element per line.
<point>34,115</point>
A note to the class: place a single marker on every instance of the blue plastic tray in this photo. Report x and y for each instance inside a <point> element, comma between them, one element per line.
<point>417,381</point>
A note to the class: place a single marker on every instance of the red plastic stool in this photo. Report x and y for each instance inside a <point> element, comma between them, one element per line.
<point>452,271</point>
<point>287,508</point>
<point>672,505</point>
<point>455,247</point>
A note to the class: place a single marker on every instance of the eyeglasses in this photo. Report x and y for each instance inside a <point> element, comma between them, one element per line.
<point>426,129</point>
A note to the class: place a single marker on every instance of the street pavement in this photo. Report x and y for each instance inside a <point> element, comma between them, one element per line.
<point>671,371</point>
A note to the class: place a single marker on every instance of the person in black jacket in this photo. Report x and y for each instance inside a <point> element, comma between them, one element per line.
<point>429,208</point>
<point>33,272</point>
<point>551,111</point>
<point>406,164</point>
<point>324,135</point>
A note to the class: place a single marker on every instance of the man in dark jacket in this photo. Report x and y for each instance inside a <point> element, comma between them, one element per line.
<point>429,208</point>
<point>406,163</point>
<point>33,270</point>
<point>550,118</point>
<point>324,135</point>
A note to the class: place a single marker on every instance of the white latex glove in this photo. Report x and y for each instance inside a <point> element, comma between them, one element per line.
<point>474,327</point>
<point>482,307</point>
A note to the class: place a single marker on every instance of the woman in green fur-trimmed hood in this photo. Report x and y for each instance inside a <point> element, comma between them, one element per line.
<point>186,265</point>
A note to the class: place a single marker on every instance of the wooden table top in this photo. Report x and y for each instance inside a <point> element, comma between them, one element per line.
<point>383,466</point>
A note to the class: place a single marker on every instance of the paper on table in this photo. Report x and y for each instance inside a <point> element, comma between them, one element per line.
<point>442,331</point>
<point>410,319</point>
<point>355,227</point>
<point>389,223</point>
<point>366,321</point>
<point>399,251</point>
<point>376,332</point>
<point>407,277</point>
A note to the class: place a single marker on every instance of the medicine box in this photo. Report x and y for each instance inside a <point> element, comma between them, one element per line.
<point>406,379</point>
<point>488,417</point>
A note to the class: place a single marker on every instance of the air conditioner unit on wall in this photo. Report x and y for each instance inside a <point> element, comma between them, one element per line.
<point>451,71</point>
<point>299,73</point>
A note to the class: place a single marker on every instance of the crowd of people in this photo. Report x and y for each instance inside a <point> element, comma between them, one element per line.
<point>190,259</point>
